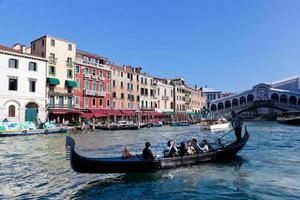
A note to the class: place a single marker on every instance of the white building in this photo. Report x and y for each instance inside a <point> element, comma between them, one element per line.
<point>22,86</point>
<point>148,98</point>
<point>164,94</point>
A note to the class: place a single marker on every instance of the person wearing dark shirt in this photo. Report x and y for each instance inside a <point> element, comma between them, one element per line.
<point>196,145</point>
<point>236,123</point>
<point>182,149</point>
<point>147,153</point>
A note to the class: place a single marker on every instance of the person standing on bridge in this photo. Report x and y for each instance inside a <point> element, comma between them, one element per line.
<point>236,123</point>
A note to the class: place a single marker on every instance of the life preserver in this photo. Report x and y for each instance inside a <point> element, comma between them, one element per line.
<point>46,131</point>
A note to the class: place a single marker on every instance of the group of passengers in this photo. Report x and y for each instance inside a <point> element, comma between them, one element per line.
<point>193,147</point>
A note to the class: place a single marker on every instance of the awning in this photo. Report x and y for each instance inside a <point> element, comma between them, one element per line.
<point>87,115</point>
<point>114,113</point>
<point>97,113</point>
<point>168,113</point>
<point>53,81</point>
<point>71,83</point>
<point>64,112</point>
<point>128,112</point>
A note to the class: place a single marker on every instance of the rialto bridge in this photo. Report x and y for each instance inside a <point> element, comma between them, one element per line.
<point>261,95</point>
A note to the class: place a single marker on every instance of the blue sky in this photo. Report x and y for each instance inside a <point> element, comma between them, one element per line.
<point>224,44</point>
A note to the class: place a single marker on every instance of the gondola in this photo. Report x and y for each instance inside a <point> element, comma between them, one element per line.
<point>138,164</point>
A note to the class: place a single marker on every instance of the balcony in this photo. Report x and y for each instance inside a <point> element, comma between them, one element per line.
<point>70,63</point>
<point>94,93</point>
<point>165,98</point>
<point>52,60</point>
<point>64,106</point>
<point>87,76</point>
<point>86,62</point>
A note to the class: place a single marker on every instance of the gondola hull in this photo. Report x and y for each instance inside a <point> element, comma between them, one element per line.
<point>33,132</point>
<point>137,164</point>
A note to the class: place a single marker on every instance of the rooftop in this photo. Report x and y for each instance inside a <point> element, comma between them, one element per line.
<point>11,50</point>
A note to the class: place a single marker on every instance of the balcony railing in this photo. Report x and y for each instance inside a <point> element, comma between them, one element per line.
<point>94,93</point>
<point>52,60</point>
<point>63,106</point>
<point>70,63</point>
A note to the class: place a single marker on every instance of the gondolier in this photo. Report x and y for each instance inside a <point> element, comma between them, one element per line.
<point>236,123</point>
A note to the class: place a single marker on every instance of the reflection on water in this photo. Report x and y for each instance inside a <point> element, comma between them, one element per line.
<point>267,168</point>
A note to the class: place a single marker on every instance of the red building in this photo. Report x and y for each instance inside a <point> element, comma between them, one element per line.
<point>93,78</point>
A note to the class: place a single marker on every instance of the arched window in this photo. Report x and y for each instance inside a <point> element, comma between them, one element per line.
<point>250,98</point>
<point>220,106</point>
<point>94,85</point>
<point>275,97</point>
<point>235,102</point>
<point>101,86</point>
<point>242,100</point>
<point>292,100</point>
<point>107,88</point>
<point>227,104</point>
<point>283,98</point>
<point>11,111</point>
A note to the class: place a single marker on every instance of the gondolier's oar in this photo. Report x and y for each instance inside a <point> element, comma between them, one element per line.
<point>222,136</point>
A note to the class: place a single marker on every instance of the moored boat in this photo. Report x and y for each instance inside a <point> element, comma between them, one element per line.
<point>137,163</point>
<point>292,118</point>
<point>214,125</point>
<point>180,124</point>
<point>33,132</point>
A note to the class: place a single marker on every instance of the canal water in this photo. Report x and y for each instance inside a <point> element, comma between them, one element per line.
<point>267,168</point>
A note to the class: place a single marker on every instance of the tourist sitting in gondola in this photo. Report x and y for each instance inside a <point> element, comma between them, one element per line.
<point>147,153</point>
<point>182,149</point>
<point>125,153</point>
<point>196,145</point>
<point>191,150</point>
<point>205,146</point>
<point>171,149</point>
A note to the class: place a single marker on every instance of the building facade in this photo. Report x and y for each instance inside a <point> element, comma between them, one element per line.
<point>179,94</point>
<point>164,94</point>
<point>210,95</point>
<point>125,87</point>
<point>60,74</point>
<point>148,97</point>
<point>22,91</point>
<point>197,100</point>
<point>93,80</point>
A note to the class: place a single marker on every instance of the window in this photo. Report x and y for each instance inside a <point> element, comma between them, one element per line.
<point>108,75</point>
<point>86,84</point>
<point>51,101</point>
<point>107,88</point>
<point>32,85</point>
<point>114,83</point>
<point>52,42</point>
<point>86,71</point>
<point>107,103</point>
<point>43,54</point>
<point>11,111</point>
<point>158,91</point>
<point>146,81</point>
<point>121,74</point>
<point>122,105</point>
<point>77,69</point>
<point>101,86</point>
<point>13,84</point>
<point>100,102</point>
<point>69,102</point>
<point>128,96</point>
<point>142,80</point>
<point>60,101</point>
<point>94,72</point>
<point>94,85</point>
<point>86,102</point>
<point>128,86</point>
<point>52,70</point>
<point>137,88</point>
<point>43,42</point>
<point>69,47</point>
<point>70,73</point>
<point>32,66</point>
<point>13,63</point>
<point>122,85</point>
<point>122,95</point>
<point>77,100</point>
<point>114,104</point>
<point>101,74</point>
<point>33,46</point>
<point>94,102</point>
<point>114,94</point>
<point>128,105</point>
<point>137,78</point>
<point>77,82</point>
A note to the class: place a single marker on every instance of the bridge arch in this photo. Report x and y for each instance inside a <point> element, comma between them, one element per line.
<point>283,98</point>
<point>242,100</point>
<point>250,98</point>
<point>271,106</point>
<point>213,107</point>
<point>220,106</point>
<point>235,102</point>
<point>227,104</point>
<point>293,100</point>
<point>275,97</point>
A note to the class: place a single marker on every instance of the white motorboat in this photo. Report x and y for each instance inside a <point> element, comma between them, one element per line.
<point>215,124</point>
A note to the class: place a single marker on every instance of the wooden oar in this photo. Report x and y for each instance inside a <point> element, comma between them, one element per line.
<point>222,136</point>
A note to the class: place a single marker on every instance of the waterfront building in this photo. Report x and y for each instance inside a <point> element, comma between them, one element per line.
<point>60,75</point>
<point>125,87</point>
<point>181,95</point>
<point>22,91</point>
<point>210,94</point>
<point>93,80</point>
<point>197,100</point>
<point>148,97</point>
<point>164,94</point>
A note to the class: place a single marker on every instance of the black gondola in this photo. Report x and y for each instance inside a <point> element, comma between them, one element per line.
<point>137,163</point>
